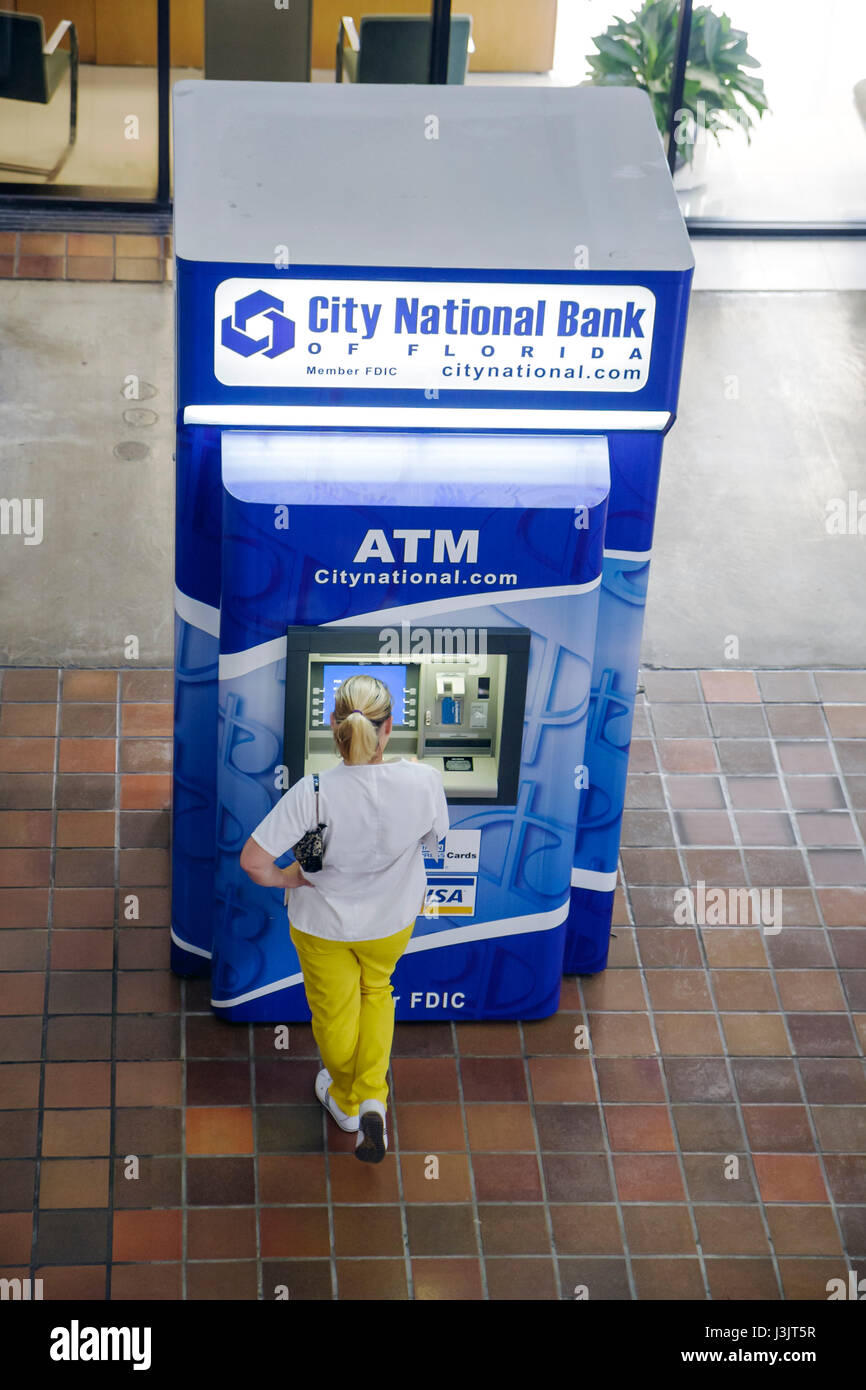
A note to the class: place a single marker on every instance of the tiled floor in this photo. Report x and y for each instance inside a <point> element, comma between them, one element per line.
<point>710,1144</point>
<point>85,256</point>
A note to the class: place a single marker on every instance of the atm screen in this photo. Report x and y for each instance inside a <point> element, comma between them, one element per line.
<point>394,677</point>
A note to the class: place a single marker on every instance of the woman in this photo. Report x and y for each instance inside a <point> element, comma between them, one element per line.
<point>351,921</point>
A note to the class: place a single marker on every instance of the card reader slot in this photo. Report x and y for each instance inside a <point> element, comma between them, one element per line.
<point>457,742</point>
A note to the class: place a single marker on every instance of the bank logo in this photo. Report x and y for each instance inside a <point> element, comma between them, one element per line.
<point>279,338</point>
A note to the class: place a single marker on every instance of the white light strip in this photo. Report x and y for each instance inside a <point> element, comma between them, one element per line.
<point>592,878</point>
<point>509,926</point>
<point>197,614</point>
<point>415,417</point>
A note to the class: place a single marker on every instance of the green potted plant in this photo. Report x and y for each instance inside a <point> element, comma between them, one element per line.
<point>717,92</point>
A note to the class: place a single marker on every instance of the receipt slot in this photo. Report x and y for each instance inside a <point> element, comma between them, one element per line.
<point>428,394</point>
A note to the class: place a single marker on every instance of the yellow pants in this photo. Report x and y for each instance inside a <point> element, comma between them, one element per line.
<point>348,989</point>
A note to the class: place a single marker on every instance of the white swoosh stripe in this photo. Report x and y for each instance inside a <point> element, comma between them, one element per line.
<point>593,878</point>
<point>509,926</point>
<point>187,946</point>
<point>628,554</point>
<point>197,614</point>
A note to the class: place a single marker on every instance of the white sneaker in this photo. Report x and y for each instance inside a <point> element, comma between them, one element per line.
<point>372,1142</point>
<point>347,1122</point>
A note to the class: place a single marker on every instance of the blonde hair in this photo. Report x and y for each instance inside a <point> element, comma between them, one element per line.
<point>361,706</point>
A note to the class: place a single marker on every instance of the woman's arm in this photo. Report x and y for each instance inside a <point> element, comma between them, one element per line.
<point>260,866</point>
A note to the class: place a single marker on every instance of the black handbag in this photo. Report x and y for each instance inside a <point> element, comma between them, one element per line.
<point>311,847</point>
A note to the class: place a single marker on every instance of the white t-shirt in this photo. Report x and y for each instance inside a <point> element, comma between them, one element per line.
<point>377,816</point>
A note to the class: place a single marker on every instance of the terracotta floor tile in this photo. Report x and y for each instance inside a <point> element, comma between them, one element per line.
<point>799,949</point>
<point>807,1279</point>
<point>18,1131</point>
<point>704,828</point>
<point>514,1230</point>
<point>688,1035</point>
<point>803,1230</point>
<point>89,244</point>
<point>677,947</point>
<point>34,683</point>
<point>756,793</point>
<point>146,720</point>
<point>554,1035</point>
<point>501,1078</point>
<point>843,907</point>
<point>19,1086</point>
<point>23,950</point>
<point>732,1230</point>
<point>766,1080</point>
<point>84,868</point>
<point>733,947</point>
<point>500,1128</point>
<point>574,1177</point>
<point>145,755</point>
<point>220,1234</point>
<point>145,791</point>
<point>810,990</point>
<point>87,755</point>
<point>484,1039</point>
<point>290,1128</point>
<point>586,1230</point>
<point>778,1129</point>
<point>786,685</point>
<point>227,1182</point>
<point>146,1283</point>
<point>750,757</point>
<point>659,1230</point>
<point>71,1183</point>
<point>744,990</point>
<point>147,1131</point>
<point>695,793</point>
<point>790,1177</point>
<point>846,1174</point>
<point>641,756</point>
<point>88,721</point>
<point>438,1230</point>
<point>452,1184</point>
<point>367,1231</point>
<point>825,828</point>
<point>85,791</point>
<point>833,1080</point>
<point>528,1279</point>
<point>716,867</point>
<point>846,721</point>
<point>822,1035</point>
<point>72,1133</point>
<point>597,1277</point>
<point>447,1280</point>
<point>378,1280</point>
<point>144,829</point>
<point>148,1235</point>
<point>708,1128</point>
<point>82,950</point>
<point>301,1280</point>
<point>648,1178</point>
<point>22,992</point>
<point>750,1035</point>
<point>738,721</point>
<point>77,1084</point>
<point>20,1039</point>
<point>570,1127</point>
<point>224,1279</point>
<point>142,949</point>
<point>842,866</point>
<point>614,991</point>
<point>90,268</point>
<point>25,868</point>
<point>40,267</point>
<point>641,827</point>
<point>424,1079</point>
<point>16,1234</point>
<point>219,1130</point>
<point>430,1128</point>
<point>639,1128</point>
<point>23,907</point>
<point>25,829</point>
<point>764,828</point>
<point>795,721</point>
<point>72,1237</point>
<point>671,990</point>
<point>804,757</point>
<point>207,1036</point>
<point>145,686</point>
<point>145,1038</point>
<point>78,1038</point>
<point>148,1083</point>
<point>840,1128</point>
<point>83,907</point>
<point>150,991</point>
<point>708,1180</point>
<point>562,1079</point>
<point>353,1182</point>
<point>739,686</point>
<point>73,1283</point>
<point>80,992</point>
<point>159,1184</point>
<point>28,720</point>
<point>621,1035</point>
<point>697,1078</point>
<point>76,829</point>
<point>742,1279</point>
<point>506,1177</point>
<point>627,1079</point>
<point>294,1231</point>
<point>90,686</point>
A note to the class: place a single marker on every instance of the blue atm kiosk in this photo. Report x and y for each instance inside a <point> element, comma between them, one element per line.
<point>428,346</point>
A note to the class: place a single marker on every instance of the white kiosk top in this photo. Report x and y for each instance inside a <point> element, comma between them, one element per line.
<point>348,174</point>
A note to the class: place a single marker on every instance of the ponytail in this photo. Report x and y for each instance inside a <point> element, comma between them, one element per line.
<point>361,707</point>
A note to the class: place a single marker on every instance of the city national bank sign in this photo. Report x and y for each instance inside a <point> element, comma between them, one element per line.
<point>432,335</point>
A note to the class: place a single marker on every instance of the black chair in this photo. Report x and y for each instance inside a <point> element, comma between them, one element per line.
<point>396,48</point>
<point>32,70</point>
